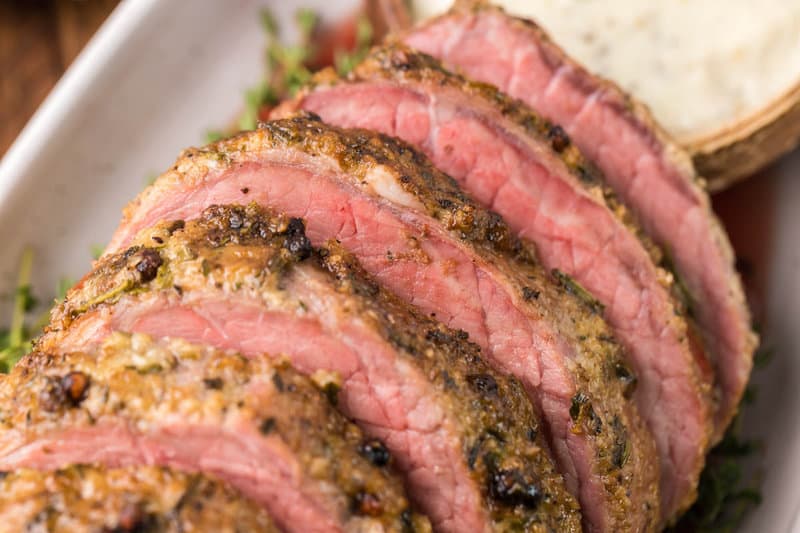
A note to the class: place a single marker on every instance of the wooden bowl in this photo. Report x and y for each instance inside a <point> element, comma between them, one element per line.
<point>749,144</point>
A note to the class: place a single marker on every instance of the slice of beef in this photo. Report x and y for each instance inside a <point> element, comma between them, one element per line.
<point>523,167</point>
<point>86,499</point>
<point>412,228</point>
<point>647,169</point>
<point>466,437</point>
<point>259,426</point>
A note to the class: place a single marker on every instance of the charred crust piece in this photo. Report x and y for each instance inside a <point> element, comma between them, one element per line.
<point>375,451</point>
<point>148,263</point>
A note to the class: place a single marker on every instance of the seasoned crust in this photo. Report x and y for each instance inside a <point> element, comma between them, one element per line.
<point>354,151</point>
<point>248,250</point>
<point>594,355</point>
<point>395,66</point>
<point>135,381</point>
<point>91,498</point>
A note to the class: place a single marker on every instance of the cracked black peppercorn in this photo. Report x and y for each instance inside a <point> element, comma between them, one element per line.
<point>267,426</point>
<point>558,138</point>
<point>235,220</point>
<point>76,387</point>
<point>213,383</point>
<point>375,452</point>
<point>483,383</point>
<point>277,380</point>
<point>175,226</point>
<point>147,267</point>
<point>296,241</point>
<point>529,294</point>
<point>511,487</point>
<point>627,377</point>
<point>67,391</point>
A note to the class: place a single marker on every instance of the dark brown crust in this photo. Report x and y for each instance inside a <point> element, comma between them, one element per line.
<point>396,65</point>
<point>91,498</point>
<point>138,382</point>
<point>561,302</point>
<point>499,430</point>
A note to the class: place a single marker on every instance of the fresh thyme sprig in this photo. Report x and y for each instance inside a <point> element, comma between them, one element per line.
<point>345,61</point>
<point>289,67</point>
<point>15,342</point>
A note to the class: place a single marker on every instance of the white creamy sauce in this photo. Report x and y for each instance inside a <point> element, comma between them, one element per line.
<point>699,64</point>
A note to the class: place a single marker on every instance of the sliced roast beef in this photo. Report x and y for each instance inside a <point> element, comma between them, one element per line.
<point>414,230</point>
<point>648,170</point>
<point>95,499</point>
<point>518,164</point>
<point>261,427</point>
<point>466,437</point>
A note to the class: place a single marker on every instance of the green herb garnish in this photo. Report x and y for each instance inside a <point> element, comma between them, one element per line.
<point>97,251</point>
<point>288,65</point>
<point>307,21</point>
<point>577,290</point>
<point>346,61</point>
<point>214,135</point>
<point>15,341</point>
<point>268,23</point>
<point>287,70</point>
<point>255,98</point>
<point>725,493</point>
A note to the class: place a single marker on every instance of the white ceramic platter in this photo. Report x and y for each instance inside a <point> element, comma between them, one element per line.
<point>775,417</point>
<point>159,74</point>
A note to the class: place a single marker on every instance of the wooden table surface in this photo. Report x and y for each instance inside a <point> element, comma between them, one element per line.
<point>38,41</point>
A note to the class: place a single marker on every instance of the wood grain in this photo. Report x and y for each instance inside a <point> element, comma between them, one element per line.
<point>38,41</point>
